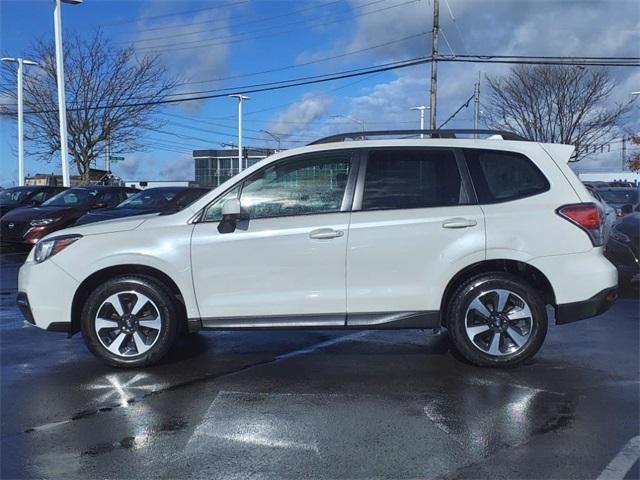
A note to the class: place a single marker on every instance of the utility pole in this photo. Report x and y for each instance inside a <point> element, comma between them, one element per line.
<point>624,153</point>
<point>240,98</point>
<point>434,64</point>
<point>476,100</point>
<point>20,63</point>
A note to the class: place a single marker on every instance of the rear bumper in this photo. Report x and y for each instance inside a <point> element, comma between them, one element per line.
<point>596,305</point>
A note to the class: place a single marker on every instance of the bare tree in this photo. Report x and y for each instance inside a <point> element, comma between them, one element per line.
<point>558,104</point>
<point>110,95</point>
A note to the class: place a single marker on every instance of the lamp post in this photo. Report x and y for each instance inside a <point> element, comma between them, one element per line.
<point>240,98</point>
<point>354,120</point>
<point>21,62</point>
<point>62,107</point>
<point>421,109</point>
<point>274,136</point>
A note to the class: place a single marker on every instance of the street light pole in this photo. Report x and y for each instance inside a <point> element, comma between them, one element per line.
<point>62,106</point>
<point>20,63</point>
<point>421,109</point>
<point>240,98</point>
<point>275,137</point>
<point>354,120</point>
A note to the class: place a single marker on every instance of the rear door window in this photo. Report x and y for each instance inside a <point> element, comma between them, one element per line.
<point>412,178</point>
<point>504,176</point>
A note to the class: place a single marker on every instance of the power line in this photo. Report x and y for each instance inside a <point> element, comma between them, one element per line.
<point>311,62</point>
<point>455,23</point>
<point>250,22</point>
<point>270,86</point>
<point>259,20</point>
<point>279,31</point>
<point>199,10</point>
<point>464,105</point>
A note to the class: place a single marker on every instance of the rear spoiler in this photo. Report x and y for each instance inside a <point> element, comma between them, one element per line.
<point>559,152</point>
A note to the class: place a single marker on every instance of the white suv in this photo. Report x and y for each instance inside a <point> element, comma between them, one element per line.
<point>475,235</point>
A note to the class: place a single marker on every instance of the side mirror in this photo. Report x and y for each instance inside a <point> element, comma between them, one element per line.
<point>230,216</point>
<point>34,203</point>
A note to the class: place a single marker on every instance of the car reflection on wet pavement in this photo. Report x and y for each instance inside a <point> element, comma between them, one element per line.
<point>318,404</point>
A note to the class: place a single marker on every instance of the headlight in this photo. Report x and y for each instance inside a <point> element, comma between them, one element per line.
<point>619,236</point>
<point>49,247</point>
<point>40,222</point>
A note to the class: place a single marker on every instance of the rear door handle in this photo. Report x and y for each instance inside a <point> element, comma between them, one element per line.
<point>459,223</point>
<point>325,233</point>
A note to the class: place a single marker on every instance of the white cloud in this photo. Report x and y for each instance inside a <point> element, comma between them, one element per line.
<point>201,48</point>
<point>299,115</point>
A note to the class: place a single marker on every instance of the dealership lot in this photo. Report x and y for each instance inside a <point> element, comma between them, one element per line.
<point>319,404</point>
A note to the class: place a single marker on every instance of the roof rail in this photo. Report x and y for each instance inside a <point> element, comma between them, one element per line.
<point>449,133</point>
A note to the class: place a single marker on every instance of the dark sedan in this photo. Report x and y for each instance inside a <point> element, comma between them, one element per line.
<point>27,225</point>
<point>151,200</point>
<point>28,196</point>
<point>623,199</point>
<point>623,245</point>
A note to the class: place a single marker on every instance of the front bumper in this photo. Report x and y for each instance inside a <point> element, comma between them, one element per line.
<point>596,305</point>
<point>46,294</point>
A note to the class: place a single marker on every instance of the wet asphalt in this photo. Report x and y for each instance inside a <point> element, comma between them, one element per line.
<point>317,404</point>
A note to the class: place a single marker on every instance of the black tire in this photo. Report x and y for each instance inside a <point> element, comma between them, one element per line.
<point>155,291</point>
<point>456,319</point>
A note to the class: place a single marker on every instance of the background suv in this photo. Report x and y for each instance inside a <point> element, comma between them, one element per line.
<point>476,235</point>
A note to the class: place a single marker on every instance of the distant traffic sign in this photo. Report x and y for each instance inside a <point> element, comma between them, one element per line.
<point>116,159</point>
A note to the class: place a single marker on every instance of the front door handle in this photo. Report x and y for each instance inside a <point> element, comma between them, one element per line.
<point>459,223</point>
<point>325,233</point>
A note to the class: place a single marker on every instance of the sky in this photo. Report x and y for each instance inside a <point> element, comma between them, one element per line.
<point>229,43</point>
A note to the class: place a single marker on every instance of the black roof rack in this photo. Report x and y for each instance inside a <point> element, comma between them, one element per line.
<point>449,133</point>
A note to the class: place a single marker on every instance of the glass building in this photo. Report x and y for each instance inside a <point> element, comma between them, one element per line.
<point>214,167</point>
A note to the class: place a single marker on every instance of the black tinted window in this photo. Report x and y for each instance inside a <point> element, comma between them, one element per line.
<point>411,179</point>
<point>503,176</point>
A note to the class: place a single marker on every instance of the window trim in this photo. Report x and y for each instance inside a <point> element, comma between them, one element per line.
<point>465,179</point>
<point>347,197</point>
<point>467,150</point>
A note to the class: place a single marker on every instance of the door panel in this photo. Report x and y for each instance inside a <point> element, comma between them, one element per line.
<point>270,267</point>
<point>415,227</point>
<point>401,260</point>
<point>288,258</point>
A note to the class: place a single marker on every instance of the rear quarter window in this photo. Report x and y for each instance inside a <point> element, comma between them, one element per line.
<point>504,176</point>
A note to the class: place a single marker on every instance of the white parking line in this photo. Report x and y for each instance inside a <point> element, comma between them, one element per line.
<point>623,461</point>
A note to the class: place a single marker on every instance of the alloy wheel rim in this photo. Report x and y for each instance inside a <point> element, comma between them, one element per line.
<point>499,322</point>
<point>128,323</point>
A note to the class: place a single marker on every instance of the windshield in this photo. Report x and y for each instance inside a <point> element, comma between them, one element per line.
<point>73,197</point>
<point>150,199</point>
<point>622,197</point>
<point>15,196</point>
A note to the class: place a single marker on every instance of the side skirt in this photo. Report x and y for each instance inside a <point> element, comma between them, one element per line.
<point>354,321</point>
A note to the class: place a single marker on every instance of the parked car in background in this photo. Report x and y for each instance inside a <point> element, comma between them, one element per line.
<point>27,225</point>
<point>609,213</point>
<point>17,197</point>
<point>151,200</point>
<point>622,247</point>
<point>623,199</point>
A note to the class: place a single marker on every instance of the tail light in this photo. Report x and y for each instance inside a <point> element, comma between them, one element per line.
<point>587,216</point>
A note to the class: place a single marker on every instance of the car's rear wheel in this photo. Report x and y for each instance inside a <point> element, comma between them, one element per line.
<point>130,321</point>
<point>496,319</point>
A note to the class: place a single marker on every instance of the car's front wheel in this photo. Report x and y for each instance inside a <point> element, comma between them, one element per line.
<point>496,319</point>
<point>130,321</point>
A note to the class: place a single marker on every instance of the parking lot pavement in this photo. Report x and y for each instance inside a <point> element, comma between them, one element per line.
<point>320,405</point>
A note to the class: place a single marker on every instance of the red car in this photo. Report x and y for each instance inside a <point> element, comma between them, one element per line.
<point>27,225</point>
